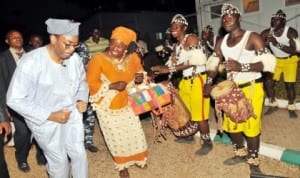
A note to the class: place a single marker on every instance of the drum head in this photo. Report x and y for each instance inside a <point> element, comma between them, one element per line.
<point>222,88</point>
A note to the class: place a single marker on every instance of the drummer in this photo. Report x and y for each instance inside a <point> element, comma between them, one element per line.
<point>243,52</point>
<point>189,58</point>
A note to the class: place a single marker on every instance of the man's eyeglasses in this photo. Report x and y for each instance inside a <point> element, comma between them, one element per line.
<point>68,46</point>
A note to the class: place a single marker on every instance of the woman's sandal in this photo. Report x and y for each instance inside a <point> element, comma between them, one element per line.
<point>124,173</point>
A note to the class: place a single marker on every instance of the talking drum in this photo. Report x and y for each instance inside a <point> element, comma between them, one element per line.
<point>230,99</point>
<point>177,117</point>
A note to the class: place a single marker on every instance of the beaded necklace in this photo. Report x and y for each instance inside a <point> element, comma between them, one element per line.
<point>175,56</point>
<point>120,65</point>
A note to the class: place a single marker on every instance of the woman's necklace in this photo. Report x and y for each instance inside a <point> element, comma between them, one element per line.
<point>119,64</point>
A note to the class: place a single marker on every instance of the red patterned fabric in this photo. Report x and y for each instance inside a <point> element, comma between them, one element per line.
<point>232,101</point>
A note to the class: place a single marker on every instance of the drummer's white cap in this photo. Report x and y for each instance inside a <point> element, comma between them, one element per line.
<point>229,9</point>
<point>179,18</point>
<point>62,27</point>
<point>280,14</point>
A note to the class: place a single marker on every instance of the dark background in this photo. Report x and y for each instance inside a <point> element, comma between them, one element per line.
<point>29,16</point>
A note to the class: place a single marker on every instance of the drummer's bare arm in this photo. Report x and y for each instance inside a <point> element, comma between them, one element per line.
<point>233,65</point>
<point>265,34</point>
<point>168,69</point>
<point>292,47</point>
<point>190,42</point>
<point>212,67</point>
<point>209,82</point>
<point>260,49</point>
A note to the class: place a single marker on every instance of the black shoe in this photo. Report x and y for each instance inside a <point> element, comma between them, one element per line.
<point>271,110</point>
<point>41,159</point>
<point>255,169</point>
<point>205,148</point>
<point>292,114</point>
<point>189,139</point>
<point>24,167</point>
<point>235,160</point>
<point>92,148</point>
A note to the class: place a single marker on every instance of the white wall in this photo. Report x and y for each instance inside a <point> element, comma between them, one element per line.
<point>255,21</point>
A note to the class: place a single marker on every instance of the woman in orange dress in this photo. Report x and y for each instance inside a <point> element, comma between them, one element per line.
<point>110,76</point>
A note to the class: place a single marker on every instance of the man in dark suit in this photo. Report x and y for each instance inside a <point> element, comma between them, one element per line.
<point>5,129</point>
<point>8,63</point>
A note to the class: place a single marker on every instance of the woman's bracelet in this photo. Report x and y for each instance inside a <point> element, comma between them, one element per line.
<point>245,67</point>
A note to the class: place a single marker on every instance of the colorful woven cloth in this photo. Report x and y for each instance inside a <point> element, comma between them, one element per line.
<point>148,99</point>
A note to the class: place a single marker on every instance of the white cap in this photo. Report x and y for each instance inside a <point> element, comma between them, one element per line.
<point>62,27</point>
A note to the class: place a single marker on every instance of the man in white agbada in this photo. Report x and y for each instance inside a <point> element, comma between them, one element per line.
<point>49,89</point>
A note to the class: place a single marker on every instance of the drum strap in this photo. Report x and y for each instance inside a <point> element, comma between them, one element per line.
<point>230,76</point>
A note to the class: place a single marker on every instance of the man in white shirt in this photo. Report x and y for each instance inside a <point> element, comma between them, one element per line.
<point>49,90</point>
